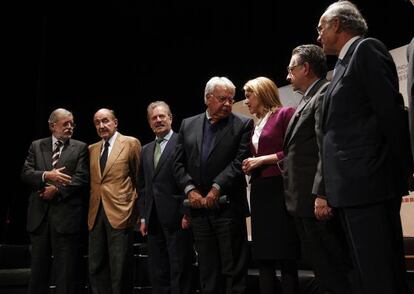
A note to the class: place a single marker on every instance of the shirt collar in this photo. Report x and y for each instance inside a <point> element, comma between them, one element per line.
<point>167,137</point>
<point>111,140</point>
<point>54,140</point>
<point>310,87</point>
<point>345,48</point>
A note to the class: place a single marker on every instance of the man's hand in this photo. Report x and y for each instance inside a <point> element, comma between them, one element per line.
<point>48,192</point>
<point>322,210</point>
<point>143,229</point>
<point>211,200</point>
<point>185,222</point>
<point>195,198</point>
<point>57,177</point>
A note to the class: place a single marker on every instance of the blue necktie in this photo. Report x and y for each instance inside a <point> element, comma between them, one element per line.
<point>338,62</point>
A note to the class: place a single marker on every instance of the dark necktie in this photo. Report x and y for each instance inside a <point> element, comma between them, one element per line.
<point>157,151</point>
<point>338,62</point>
<point>56,153</point>
<point>104,157</point>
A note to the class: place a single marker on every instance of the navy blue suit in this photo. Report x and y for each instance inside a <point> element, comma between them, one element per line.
<point>365,162</point>
<point>220,234</point>
<point>160,201</point>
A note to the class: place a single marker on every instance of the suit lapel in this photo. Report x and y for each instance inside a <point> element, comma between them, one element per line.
<point>65,154</point>
<point>198,131</point>
<point>221,132</point>
<point>116,150</point>
<point>95,154</point>
<point>169,148</point>
<point>46,149</point>
<point>339,72</point>
<point>292,126</point>
<point>150,157</point>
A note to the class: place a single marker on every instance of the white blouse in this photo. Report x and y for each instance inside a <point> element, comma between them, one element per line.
<point>258,130</point>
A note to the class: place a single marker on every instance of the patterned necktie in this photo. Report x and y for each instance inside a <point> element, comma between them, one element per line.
<point>104,157</point>
<point>157,151</point>
<point>56,153</point>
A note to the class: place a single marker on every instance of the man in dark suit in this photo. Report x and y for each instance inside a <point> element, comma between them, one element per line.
<point>410,94</point>
<point>56,170</point>
<point>365,158</point>
<point>210,150</point>
<point>162,218</point>
<point>321,241</point>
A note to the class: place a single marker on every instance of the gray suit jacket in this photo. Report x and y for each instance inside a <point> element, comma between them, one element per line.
<point>302,154</point>
<point>67,208</point>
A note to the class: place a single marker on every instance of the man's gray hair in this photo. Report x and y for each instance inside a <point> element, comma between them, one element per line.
<point>350,18</point>
<point>57,114</point>
<point>218,81</point>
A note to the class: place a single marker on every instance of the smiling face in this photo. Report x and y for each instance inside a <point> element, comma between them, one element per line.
<point>105,123</point>
<point>160,121</point>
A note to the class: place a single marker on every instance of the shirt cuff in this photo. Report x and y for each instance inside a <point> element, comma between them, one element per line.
<point>189,188</point>
<point>217,186</point>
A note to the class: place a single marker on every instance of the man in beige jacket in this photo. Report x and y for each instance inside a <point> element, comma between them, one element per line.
<point>114,166</point>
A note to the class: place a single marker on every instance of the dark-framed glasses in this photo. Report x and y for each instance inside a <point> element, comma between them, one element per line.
<point>292,67</point>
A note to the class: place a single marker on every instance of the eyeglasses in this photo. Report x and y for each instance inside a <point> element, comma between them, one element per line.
<point>67,124</point>
<point>292,67</point>
<point>224,99</point>
<point>320,28</point>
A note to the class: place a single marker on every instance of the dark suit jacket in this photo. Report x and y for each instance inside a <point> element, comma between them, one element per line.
<point>230,148</point>
<point>68,206</point>
<point>410,90</point>
<point>302,154</point>
<point>365,159</point>
<point>158,187</point>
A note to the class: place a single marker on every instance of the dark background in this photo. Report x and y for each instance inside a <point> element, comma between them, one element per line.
<point>125,54</point>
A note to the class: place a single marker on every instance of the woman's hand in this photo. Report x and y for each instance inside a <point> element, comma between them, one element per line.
<point>250,164</point>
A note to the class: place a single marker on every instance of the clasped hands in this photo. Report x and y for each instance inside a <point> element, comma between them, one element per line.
<point>322,210</point>
<point>198,201</point>
<point>54,179</point>
<point>57,177</point>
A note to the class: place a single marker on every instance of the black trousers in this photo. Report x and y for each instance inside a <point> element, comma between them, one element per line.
<point>65,248</point>
<point>170,255</point>
<point>374,235</point>
<point>324,248</point>
<point>110,257</point>
<point>221,243</point>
